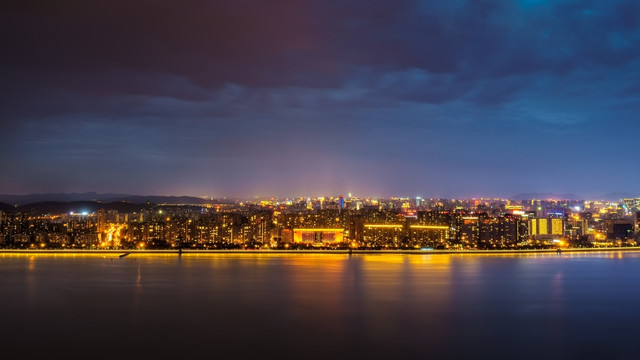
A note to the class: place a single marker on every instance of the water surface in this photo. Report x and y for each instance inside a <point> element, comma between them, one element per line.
<point>316,306</point>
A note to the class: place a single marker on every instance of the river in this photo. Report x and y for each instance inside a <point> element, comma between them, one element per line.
<point>321,306</point>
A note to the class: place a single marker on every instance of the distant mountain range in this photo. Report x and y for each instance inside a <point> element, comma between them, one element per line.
<point>544,196</point>
<point>104,198</point>
<point>58,207</point>
<point>92,199</point>
<point>618,196</point>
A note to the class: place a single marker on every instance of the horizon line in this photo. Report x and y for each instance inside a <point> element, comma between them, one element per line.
<point>521,196</point>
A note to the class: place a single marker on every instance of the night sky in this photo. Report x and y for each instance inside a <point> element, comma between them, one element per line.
<point>286,98</point>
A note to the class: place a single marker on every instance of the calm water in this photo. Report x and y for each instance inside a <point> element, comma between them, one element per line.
<point>313,306</point>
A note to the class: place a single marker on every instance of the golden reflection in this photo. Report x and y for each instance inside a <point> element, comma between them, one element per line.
<point>308,258</point>
<point>384,258</point>
<point>318,285</point>
<point>32,285</point>
<point>390,279</point>
<point>330,260</point>
<point>431,259</point>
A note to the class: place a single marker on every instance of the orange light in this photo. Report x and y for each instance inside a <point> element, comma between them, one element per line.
<point>316,230</point>
<point>374,226</point>
<point>429,227</point>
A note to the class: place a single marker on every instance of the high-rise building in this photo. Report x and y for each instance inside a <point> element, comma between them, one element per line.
<point>499,232</point>
<point>468,231</point>
<point>380,235</point>
<point>543,226</point>
<point>435,236</point>
<point>619,229</point>
<point>546,226</point>
<point>557,227</point>
<point>100,220</point>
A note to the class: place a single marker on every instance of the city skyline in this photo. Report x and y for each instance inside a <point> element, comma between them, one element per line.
<point>320,179</point>
<point>454,100</point>
<point>32,198</point>
<point>332,223</point>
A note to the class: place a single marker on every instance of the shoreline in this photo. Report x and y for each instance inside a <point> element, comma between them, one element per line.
<point>347,252</point>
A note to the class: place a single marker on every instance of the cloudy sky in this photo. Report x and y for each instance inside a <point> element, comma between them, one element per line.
<point>379,98</point>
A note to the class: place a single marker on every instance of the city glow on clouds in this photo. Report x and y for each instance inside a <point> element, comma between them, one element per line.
<point>456,98</point>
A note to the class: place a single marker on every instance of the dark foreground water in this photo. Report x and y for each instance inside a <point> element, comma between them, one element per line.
<point>321,306</point>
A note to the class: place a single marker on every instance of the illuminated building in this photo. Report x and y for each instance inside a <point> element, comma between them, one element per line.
<point>383,235</point>
<point>543,226</point>
<point>318,236</point>
<point>355,227</point>
<point>514,209</point>
<point>21,238</point>
<point>100,222</point>
<point>549,229</point>
<point>435,236</point>
<point>468,231</point>
<point>557,226</point>
<point>576,227</point>
<point>394,223</point>
<point>441,218</point>
<point>499,232</point>
<point>287,236</point>
<point>537,226</point>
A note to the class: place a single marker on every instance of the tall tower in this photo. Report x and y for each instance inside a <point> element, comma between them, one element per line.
<point>101,221</point>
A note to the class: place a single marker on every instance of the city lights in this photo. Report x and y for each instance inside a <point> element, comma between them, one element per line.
<point>332,222</point>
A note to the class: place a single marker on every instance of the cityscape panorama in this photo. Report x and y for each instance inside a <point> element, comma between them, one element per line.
<point>320,179</point>
<point>322,223</point>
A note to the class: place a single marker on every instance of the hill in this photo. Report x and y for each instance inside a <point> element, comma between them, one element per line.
<point>95,197</point>
<point>56,207</point>
<point>544,196</point>
<point>617,196</point>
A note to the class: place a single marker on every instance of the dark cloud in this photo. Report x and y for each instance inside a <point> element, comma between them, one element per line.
<point>289,96</point>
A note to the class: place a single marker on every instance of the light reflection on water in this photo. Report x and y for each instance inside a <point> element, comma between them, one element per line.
<point>322,305</point>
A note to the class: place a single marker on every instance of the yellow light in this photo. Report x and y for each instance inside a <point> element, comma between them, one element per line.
<point>373,226</point>
<point>316,230</point>
<point>428,227</point>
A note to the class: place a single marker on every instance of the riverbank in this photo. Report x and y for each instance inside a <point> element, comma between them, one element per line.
<point>270,251</point>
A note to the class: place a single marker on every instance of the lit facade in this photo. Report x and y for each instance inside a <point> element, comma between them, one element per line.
<point>318,236</point>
